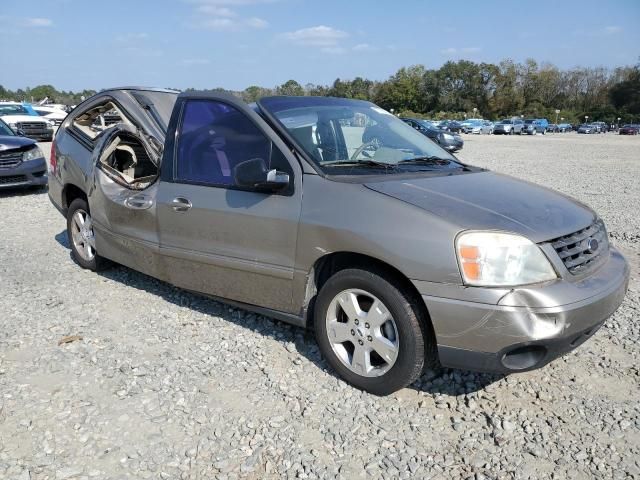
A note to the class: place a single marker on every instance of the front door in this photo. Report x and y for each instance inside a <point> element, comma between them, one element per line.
<point>216,238</point>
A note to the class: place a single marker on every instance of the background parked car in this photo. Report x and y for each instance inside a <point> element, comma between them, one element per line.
<point>553,128</point>
<point>451,126</point>
<point>23,118</point>
<point>448,141</point>
<point>534,126</point>
<point>508,127</point>
<point>587,128</point>
<point>602,127</point>
<point>477,126</point>
<point>629,129</point>
<point>53,114</point>
<point>564,127</point>
<point>22,163</point>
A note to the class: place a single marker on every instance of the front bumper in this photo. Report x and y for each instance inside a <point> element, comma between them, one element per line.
<point>30,173</point>
<point>454,145</point>
<point>525,328</point>
<point>45,135</point>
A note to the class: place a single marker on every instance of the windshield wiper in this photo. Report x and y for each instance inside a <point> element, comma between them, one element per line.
<point>359,163</point>
<point>431,160</point>
<point>435,161</point>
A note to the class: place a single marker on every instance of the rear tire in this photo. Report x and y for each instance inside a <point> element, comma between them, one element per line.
<point>361,315</point>
<point>81,238</point>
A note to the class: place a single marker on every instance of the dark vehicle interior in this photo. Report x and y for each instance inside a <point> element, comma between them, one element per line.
<point>124,157</point>
<point>209,131</point>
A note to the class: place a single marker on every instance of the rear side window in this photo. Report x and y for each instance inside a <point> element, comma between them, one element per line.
<point>214,138</point>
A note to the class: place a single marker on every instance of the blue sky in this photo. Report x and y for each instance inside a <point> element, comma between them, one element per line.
<point>76,44</point>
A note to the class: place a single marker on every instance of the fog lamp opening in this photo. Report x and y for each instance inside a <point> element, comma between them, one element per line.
<point>523,358</point>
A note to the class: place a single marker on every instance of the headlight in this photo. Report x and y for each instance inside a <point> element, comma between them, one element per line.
<point>494,259</point>
<point>32,154</point>
<point>14,126</point>
<point>447,137</point>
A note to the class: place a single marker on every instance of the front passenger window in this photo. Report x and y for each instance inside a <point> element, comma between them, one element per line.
<point>214,138</point>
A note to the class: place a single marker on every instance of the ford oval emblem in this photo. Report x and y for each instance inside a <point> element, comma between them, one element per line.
<point>592,245</point>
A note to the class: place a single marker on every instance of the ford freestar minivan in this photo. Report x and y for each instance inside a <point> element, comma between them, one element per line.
<point>334,214</point>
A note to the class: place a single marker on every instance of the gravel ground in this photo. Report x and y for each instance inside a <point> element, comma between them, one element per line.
<point>166,384</point>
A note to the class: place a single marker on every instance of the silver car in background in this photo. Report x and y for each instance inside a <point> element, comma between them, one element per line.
<point>333,214</point>
<point>508,127</point>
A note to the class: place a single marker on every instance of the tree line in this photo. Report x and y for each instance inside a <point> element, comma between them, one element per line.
<point>462,89</point>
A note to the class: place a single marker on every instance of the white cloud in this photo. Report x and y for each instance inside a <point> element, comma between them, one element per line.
<point>143,52</point>
<point>131,37</point>
<point>216,15</point>
<point>319,36</point>
<point>363,47</point>
<point>216,10</point>
<point>255,22</point>
<point>37,22</point>
<point>612,30</point>
<point>463,50</point>
<point>333,50</point>
<point>233,3</point>
<point>188,62</point>
<point>224,23</point>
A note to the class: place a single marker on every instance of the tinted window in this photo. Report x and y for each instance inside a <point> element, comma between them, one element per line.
<point>214,138</point>
<point>5,130</point>
<point>12,109</point>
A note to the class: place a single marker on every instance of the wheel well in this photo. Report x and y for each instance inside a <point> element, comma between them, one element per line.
<point>330,264</point>
<point>70,193</point>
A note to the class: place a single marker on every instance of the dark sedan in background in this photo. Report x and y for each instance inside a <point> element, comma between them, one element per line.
<point>451,126</point>
<point>629,129</point>
<point>449,141</point>
<point>22,163</point>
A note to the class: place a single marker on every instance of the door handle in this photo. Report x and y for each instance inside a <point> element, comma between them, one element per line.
<point>138,202</point>
<point>180,204</point>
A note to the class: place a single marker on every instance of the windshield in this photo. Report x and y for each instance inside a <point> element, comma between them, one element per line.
<point>427,124</point>
<point>505,122</point>
<point>350,137</point>
<point>13,110</point>
<point>158,104</point>
<point>5,130</point>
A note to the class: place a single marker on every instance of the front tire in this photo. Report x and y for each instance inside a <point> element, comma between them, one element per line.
<point>373,335</point>
<point>81,237</point>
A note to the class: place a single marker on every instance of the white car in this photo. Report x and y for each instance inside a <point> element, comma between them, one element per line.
<point>53,114</point>
<point>23,122</point>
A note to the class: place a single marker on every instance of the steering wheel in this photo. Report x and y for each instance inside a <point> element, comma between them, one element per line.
<point>374,142</point>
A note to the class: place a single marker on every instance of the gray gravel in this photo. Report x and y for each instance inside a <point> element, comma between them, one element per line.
<point>166,384</point>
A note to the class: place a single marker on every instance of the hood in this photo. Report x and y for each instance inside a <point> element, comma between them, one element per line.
<point>487,200</point>
<point>22,118</point>
<point>10,142</point>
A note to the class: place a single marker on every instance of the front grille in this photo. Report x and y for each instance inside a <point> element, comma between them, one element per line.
<point>582,249</point>
<point>29,127</point>
<point>13,179</point>
<point>10,159</point>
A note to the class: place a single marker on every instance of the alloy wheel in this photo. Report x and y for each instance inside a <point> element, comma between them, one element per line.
<point>362,333</point>
<point>82,235</point>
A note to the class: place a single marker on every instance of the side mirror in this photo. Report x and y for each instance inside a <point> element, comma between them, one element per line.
<point>254,174</point>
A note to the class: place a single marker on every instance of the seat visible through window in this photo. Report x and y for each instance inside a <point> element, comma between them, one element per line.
<point>214,138</point>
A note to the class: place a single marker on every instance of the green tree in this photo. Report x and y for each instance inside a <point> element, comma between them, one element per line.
<point>290,87</point>
<point>625,95</point>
